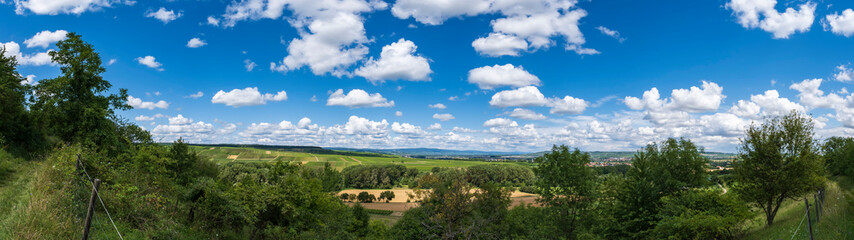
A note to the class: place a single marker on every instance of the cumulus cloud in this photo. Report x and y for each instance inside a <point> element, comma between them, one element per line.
<point>29,80</point>
<point>213,21</point>
<point>331,32</point>
<point>534,22</point>
<point>443,117</point>
<point>521,97</point>
<point>138,103</point>
<point>845,74</point>
<point>707,97</point>
<point>526,114</point>
<point>499,44</point>
<point>435,127</point>
<point>164,16</point>
<point>249,96</point>
<point>151,62</point>
<point>841,24</point>
<point>397,62</point>
<point>437,106</point>
<point>196,43</point>
<point>45,38</point>
<point>407,129</point>
<point>770,103</point>
<point>762,14</point>
<point>35,59</point>
<point>568,105</point>
<point>500,122</point>
<point>357,98</point>
<point>52,7</point>
<point>143,118</point>
<point>196,95</point>
<point>398,113</point>
<point>490,77</point>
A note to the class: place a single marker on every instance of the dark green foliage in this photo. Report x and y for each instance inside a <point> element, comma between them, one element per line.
<point>778,160</point>
<point>565,185</point>
<point>344,196</point>
<point>451,210</point>
<point>619,169</point>
<point>72,106</point>
<point>376,176</point>
<point>329,177</point>
<point>504,175</point>
<point>366,197</point>
<point>18,133</point>
<point>839,156</point>
<point>387,195</point>
<point>701,214</point>
<point>361,221</point>
<point>660,170</point>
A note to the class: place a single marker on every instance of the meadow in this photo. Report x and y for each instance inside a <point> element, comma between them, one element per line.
<point>222,154</point>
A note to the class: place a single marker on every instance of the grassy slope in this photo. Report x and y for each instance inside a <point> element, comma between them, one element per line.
<point>837,219</point>
<point>221,154</point>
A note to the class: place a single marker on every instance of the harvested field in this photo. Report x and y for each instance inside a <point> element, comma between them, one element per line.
<point>400,195</point>
<point>233,157</point>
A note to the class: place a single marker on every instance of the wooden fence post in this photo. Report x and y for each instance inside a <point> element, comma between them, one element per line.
<point>809,222</point>
<point>91,210</point>
<point>817,209</point>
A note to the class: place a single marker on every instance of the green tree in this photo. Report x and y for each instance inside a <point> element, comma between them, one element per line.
<point>73,106</point>
<point>361,221</point>
<point>660,170</point>
<point>839,155</point>
<point>17,130</point>
<point>776,161</point>
<point>366,197</point>
<point>565,185</point>
<point>387,195</point>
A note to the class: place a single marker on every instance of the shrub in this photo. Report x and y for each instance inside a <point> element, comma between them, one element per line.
<point>366,197</point>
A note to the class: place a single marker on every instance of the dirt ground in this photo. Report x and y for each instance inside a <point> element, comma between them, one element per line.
<point>232,157</point>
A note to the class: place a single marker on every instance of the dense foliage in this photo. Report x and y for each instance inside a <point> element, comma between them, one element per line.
<point>376,176</point>
<point>504,175</point>
<point>839,156</point>
<point>778,160</point>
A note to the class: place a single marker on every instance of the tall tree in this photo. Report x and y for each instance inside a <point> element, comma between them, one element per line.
<point>74,106</point>
<point>776,161</point>
<point>839,155</point>
<point>660,170</point>
<point>565,185</point>
<point>16,129</point>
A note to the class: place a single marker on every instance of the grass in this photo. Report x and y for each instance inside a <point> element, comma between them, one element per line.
<point>378,211</point>
<point>247,154</point>
<point>837,217</point>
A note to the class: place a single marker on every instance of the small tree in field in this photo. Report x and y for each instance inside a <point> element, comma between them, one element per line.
<point>366,197</point>
<point>387,195</point>
<point>345,197</point>
<point>565,185</point>
<point>778,160</point>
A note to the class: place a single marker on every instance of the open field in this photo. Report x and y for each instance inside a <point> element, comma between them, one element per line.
<point>247,154</point>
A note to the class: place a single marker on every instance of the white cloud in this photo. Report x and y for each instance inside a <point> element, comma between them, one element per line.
<point>357,98</point>
<point>499,44</point>
<point>435,127</point>
<point>332,33</point>
<point>771,103</point>
<point>151,62</point>
<point>45,38</point>
<point>164,16</point>
<point>249,96</point>
<point>249,65</point>
<point>521,97</point>
<point>112,60</point>
<point>53,7</point>
<point>708,97</point>
<point>143,118</point>
<point>526,114</point>
<point>29,80</point>
<point>845,74</point>
<point>535,22</point>
<point>35,59</point>
<point>196,95</point>
<point>490,77</point>
<point>437,106</point>
<point>500,122</point>
<point>138,103</point>
<point>397,62</point>
<point>406,128</point>
<point>443,117</point>
<point>212,21</point>
<point>781,25</point>
<point>398,113</point>
<point>179,120</point>
<point>196,43</point>
<point>612,33</point>
<point>568,105</point>
<point>841,24</point>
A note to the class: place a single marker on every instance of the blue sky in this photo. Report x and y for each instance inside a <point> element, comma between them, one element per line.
<point>514,75</point>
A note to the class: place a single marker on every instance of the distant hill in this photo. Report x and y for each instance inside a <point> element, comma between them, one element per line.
<point>430,152</point>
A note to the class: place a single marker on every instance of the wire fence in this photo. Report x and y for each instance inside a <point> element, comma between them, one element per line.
<point>89,182</point>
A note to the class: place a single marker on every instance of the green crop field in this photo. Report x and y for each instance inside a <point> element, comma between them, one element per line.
<point>248,154</point>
